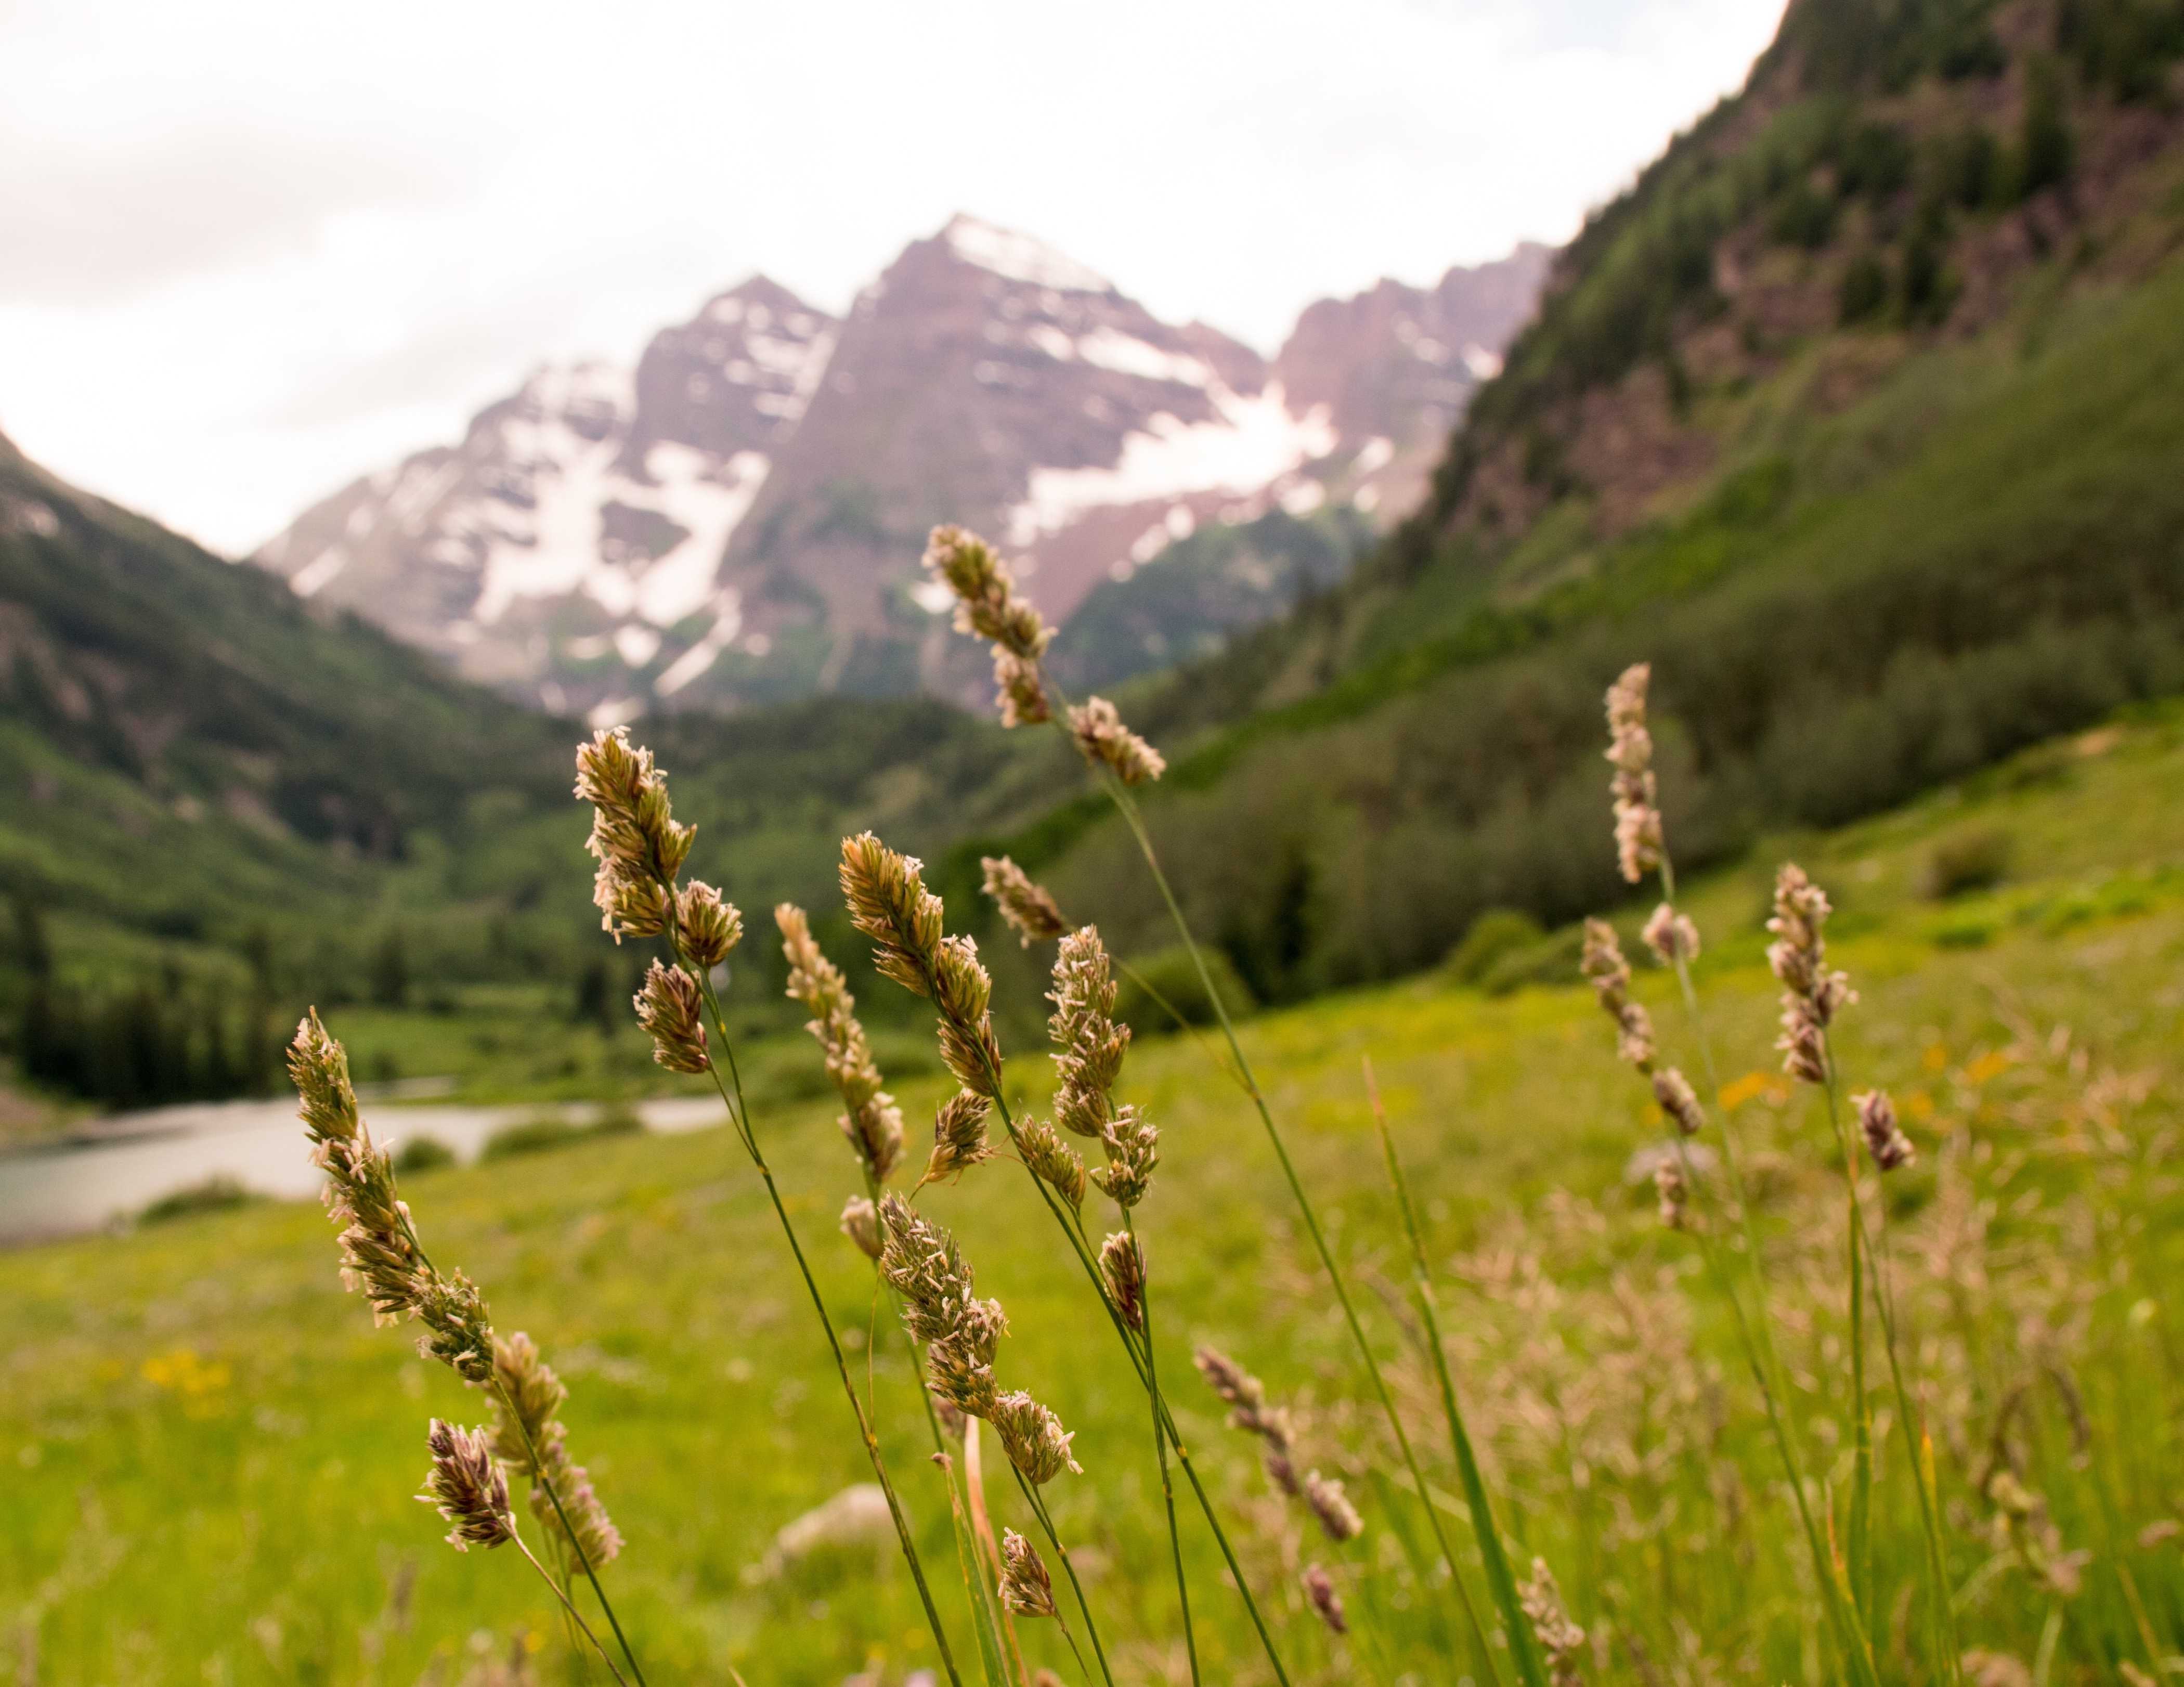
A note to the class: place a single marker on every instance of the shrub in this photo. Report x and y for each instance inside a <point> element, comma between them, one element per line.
<point>1171,974</point>
<point>548,1131</point>
<point>1967,861</point>
<point>423,1154</point>
<point>1550,961</point>
<point>1492,936</point>
<point>216,1194</point>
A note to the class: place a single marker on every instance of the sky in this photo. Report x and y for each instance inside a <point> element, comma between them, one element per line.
<point>250,249</point>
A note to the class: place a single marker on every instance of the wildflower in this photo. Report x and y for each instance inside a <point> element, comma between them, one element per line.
<point>1052,1161</point>
<point>1105,741</point>
<point>1122,1268</point>
<point>889,904</point>
<point>638,845</point>
<point>1630,751</point>
<point>1671,936</point>
<point>467,1487</point>
<point>1026,1587</point>
<point>671,1009</point>
<point>1812,996</point>
<point>1337,1516</point>
<point>1319,1589</point>
<point>873,1123</point>
<point>1132,1145</point>
<point>1030,911</point>
<point>1559,1638</point>
<point>1033,1438</point>
<point>1673,1090</point>
<point>706,926</point>
<point>1884,1137</point>
<point>1668,1184</point>
<point>860,1223</point>
<point>959,1136</point>
<point>1084,1030</point>
<point>527,1433</point>
<point>1603,964</point>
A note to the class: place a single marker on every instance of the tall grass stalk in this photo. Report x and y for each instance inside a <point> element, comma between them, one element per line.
<point>918,956</point>
<point>1527,1662</point>
<point>1501,1582</point>
<point>1075,1588</point>
<point>739,1117</point>
<point>1160,1447</point>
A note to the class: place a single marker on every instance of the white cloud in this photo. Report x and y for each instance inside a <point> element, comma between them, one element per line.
<point>249,249</point>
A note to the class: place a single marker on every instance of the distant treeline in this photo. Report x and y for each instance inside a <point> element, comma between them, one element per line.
<point>144,1048</point>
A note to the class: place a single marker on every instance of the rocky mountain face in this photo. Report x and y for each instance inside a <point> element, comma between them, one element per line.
<point>740,518</point>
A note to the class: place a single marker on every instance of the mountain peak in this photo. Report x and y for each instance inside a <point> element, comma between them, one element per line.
<point>1019,257</point>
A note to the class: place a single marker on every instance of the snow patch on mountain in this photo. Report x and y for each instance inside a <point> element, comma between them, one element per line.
<point>1253,442</point>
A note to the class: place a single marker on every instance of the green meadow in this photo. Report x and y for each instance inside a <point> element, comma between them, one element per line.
<point>207,1452</point>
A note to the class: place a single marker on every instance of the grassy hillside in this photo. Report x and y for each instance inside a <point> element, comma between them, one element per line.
<point>202,1393</point>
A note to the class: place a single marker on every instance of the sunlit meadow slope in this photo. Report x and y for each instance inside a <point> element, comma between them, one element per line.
<point>209,1451</point>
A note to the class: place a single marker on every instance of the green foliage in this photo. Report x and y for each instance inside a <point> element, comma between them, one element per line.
<point>1864,290</point>
<point>1199,590</point>
<point>2046,147</point>
<point>145,1048</point>
<point>1976,858</point>
<point>1491,935</point>
<point>550,1131</point>
<point>2124,46</point>
<point>1153,993</point>
<point>422,1154</point>
<point>2006,574</point>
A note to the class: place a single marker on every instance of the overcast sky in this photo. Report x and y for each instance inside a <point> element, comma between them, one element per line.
<point>250,249</point>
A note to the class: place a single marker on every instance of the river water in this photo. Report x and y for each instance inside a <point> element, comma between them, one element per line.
<point>95,1180</point>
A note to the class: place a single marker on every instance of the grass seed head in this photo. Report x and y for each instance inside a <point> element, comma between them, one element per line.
<point>1089,1045</point>
<point>1671,936</point>
<point>1812,994</point>
<point>1319,1589</point>
<point>1019,691</point>
<point>671,1009</point>
<point>1033,1438</point>
<point>1338,1517</point>
<point>467,1487</point>
<point>1122,1268</point>
<point>708,927</point>
<point>921,1262</point>
<point>959,1136</point>
<point>873,1123</point>
<point>1631,752</point>
<point>1674,1091</point>
<point>988,605</point>
<point>1668,1185</point>
<point>531,1439</point>
<point>1603,962</point>
<point>1026,1587</point>
<point>1104,740</point>
<point>1884,1137</point>
<point>1052,1161</point>
<point>1559,1638</point>
<point>1030,911</point>
<point>860,1223</point>
<point>1132,1145</point>
<point>378,1246</point>
<point>640,846</point>
<point>888,902</point>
